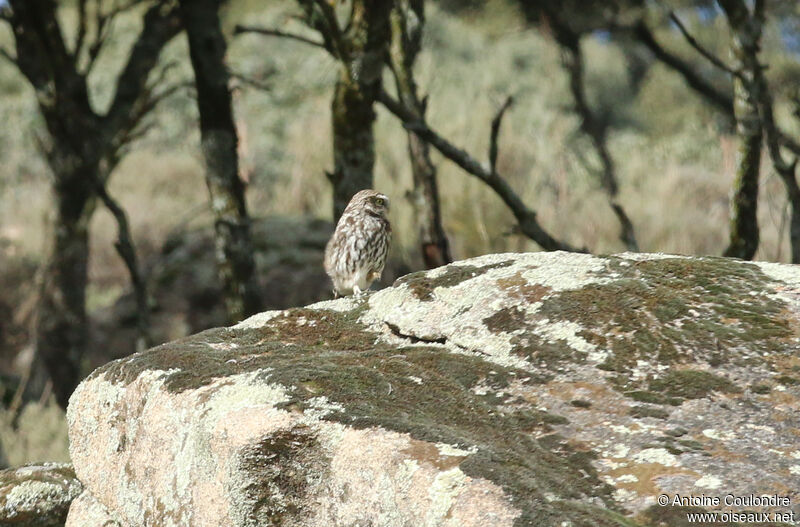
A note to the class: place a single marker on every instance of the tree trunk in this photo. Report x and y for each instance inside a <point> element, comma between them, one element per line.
<point>62,331</point>
<point>364,46</point>
<point>62,323</point>
<point>425,200</point>
<point>745,37</point>
<point>405,46</point>
<point>787,170</point>
<point>353,140</point>
<point>218,136</point>
<point>744,235</point>
<point>793,193</point>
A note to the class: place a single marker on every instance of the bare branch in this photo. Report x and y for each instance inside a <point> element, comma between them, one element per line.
<point>81,35</point>
<point>526,218</point>
<point>700,49</point>
<point>137,133</point>
<point>126,250</point>
<point>333,30</point>
<point>148,103</point>
<point>118,8</point>
<point>132,87</point>
<point>498,119</point>
<point>240,29</point>
<point>595,129</point>
<point>102,30</point>
<point>160,76</point>
<point>321,16</point>
<point>721,100</point>
<point>626,226</point>
<point>155,99</point>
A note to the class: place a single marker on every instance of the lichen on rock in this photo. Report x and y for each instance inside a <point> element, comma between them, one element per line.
<point>528,389</point>
<point>37,495</point>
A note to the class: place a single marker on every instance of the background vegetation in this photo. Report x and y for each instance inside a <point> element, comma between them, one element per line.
<point>675,154</point>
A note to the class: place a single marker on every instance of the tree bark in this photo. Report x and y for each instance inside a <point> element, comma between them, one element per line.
<point>745,38</point>
<point>407,21</point>
<point>353,116</point>
<point>219,140</point>
<point>62,330</point>
<point>363,47</point>
<point>360,49</point>
<point>786,170</point>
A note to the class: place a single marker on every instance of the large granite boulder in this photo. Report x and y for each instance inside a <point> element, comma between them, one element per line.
<point>37,495</point>
<point>515,389</point>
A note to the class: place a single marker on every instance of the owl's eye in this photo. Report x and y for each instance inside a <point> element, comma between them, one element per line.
<point>380,202</point>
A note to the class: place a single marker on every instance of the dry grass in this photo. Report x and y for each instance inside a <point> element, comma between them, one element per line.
<point>41,435</point>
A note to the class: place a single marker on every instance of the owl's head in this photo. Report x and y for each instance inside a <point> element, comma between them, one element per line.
<point>371,202</point>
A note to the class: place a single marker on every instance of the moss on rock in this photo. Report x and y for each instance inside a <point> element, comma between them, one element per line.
<point>275,469</point>
<point>692,384</point>
<point>193,362</point>
<point>646,396</point>
<point>675,310</point>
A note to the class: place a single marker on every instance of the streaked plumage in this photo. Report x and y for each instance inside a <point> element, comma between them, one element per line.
<point>356,253</point>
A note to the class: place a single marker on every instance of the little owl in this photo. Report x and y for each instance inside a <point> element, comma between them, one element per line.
<point>356,253</point>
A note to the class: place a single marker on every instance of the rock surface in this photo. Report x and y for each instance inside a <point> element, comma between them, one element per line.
<point>37,495</point>
<point>515,389</point>
<point>86,511</point>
